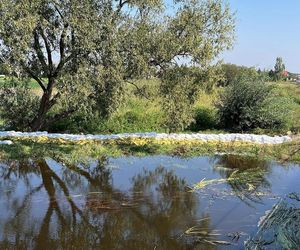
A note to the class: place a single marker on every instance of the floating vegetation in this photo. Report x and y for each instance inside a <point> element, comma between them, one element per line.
<point>294,196</point>
<point>246,180</point>
<point>221,168</point>
<point>204,183</point>
<point>235,236</point>
<point>279,229</point>
<point>249,185</point>
<point>205,235</point>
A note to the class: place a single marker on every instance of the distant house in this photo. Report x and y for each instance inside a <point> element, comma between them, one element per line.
<point>285,73</point>
<point>294,77</point>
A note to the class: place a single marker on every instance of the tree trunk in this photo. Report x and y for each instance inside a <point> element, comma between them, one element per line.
<point>45,105</point>
<point>39,119</point>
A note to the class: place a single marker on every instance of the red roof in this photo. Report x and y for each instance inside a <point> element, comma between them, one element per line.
<point>285,73</point>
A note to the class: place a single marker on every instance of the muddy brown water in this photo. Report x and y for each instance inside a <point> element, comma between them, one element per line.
<point>139,202</point>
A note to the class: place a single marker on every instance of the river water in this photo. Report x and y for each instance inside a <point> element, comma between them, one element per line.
<point>133,203</point>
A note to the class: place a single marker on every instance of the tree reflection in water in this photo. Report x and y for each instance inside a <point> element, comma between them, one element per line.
<point>48,205</point>
<point>246,176</point>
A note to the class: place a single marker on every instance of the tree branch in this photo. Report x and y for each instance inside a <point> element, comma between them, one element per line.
<point>39,52</point>
<point>121,5</point>
<point>61,64</point>
<point>62,43</point>
<point>57,9</point>
<point>31,73</point>
<point>48,49</point>
<point>138,89</point>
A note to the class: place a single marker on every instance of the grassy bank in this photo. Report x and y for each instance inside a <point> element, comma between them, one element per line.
<point>74,152</point>
<point>141,111</point>
<point>292,91</point>
<point>140,114</point>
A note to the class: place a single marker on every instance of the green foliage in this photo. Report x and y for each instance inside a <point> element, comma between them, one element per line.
<point>3,69</point>
<point>234,72</point>
<point>278,73</point>
<point>138,115</point>
<point>107,92</point>
<point>135,115</point>
<point>204,118</point>
<point>264,75</point>
<point>18,104</point>
<point>179,90</point>
<point>48,41</point>
<point>101,45</point>
<point>292,92</point>
<point>249,104</point>
<point>279,66</point>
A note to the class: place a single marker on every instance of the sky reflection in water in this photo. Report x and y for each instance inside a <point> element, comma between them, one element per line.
<point>138,203</point>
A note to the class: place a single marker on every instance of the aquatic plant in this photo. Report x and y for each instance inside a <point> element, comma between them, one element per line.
<point>279,229</point>
<point>203,183</point>
<point>204,234</point>
<point>247,183</point>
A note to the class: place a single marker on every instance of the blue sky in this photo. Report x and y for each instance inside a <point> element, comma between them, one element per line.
<point>266,29</point>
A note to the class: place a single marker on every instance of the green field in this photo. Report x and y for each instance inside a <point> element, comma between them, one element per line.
<point>31,82</point>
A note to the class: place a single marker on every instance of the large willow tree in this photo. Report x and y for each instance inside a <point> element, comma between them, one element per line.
<point>82,53</point>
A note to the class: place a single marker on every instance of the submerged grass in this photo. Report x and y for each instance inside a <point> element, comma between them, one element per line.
<point>241,180</point>
<point>84,150</point>
<point>279,229</point>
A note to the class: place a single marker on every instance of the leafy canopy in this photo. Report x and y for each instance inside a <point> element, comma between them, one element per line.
<point>249,103</point>
<point>83,53</point>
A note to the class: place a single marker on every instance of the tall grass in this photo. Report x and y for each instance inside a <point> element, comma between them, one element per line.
<point>291,91</point>
<point>137,115</point>
<point>142,112</point>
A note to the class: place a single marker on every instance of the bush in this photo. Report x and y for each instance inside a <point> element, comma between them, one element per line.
<point>179,89</point>
<point>136,115</point>
<point>204,118</point>
<point>249,104</point>
<point>234,72</point>
<point>18,105</point>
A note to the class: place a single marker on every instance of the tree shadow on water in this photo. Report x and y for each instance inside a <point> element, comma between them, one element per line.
<point>58,206</point>
<point>247,177</point>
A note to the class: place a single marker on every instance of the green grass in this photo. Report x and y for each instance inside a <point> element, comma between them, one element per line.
<point>137,111</point>
<point>140,114</point>
<point>137,115</point>
<point>31,82</point>
<point>292,91</point>
<point>72,152</point>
